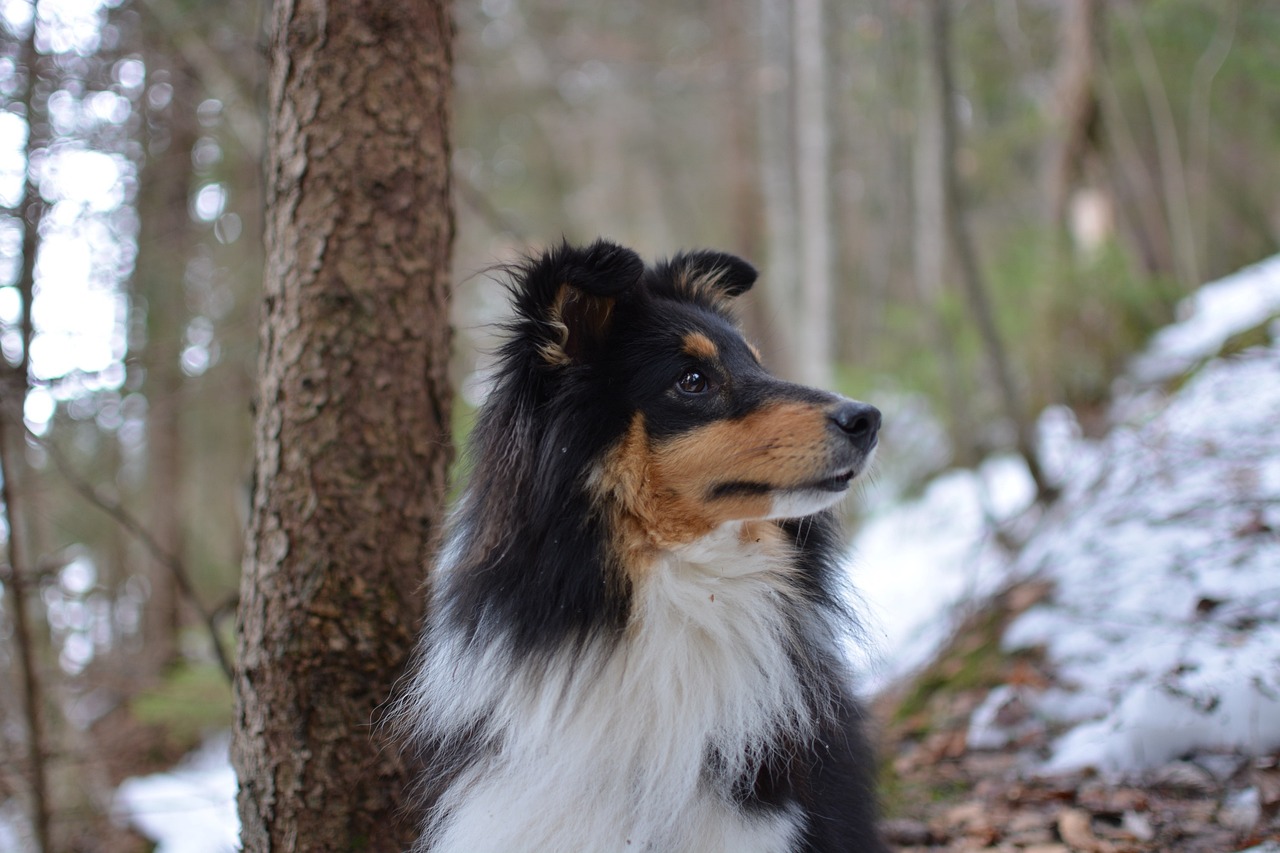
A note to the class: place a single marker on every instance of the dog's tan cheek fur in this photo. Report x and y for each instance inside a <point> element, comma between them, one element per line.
<point>660,494</point>
<point>782,445</point>
<point>647,512</point>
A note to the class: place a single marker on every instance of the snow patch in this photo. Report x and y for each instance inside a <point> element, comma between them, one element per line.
<point>1210,316</point>
<point>1167,579</point>
<point>189,809</point>
<point>916,565</point>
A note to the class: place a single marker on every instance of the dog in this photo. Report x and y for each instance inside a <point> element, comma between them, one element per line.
<point>634,627</point>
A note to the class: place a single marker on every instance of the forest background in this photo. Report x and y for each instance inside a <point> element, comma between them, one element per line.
<point>966,223</point>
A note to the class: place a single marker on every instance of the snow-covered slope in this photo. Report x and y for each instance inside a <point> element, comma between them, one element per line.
<point>1164,551</point>
<point>1166,564</point>
<point>1211,315</point>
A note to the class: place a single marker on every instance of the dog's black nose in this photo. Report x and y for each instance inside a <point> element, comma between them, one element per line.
<point>859,421</point>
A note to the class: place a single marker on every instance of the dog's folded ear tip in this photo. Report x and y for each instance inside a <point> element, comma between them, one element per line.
<point>605,268</point>
<point>567,294</point>
<point>710,274</point>
<point>602,268</point>
<point>740,275</point>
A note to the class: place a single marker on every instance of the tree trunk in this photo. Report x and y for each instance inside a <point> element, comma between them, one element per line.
<point>777,184</point>
<point>815,352</point>
<point>740,173</point>
<point>166,243</point>
<point>20,584</point>
<point>937,45</point>
<point>1076,110</point>
<point>1173,176</point>
<point>15,474</point>
<point>352,430</point>
<point>931,251</point>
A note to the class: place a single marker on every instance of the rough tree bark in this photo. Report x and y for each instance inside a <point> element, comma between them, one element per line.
<point>352,440</point>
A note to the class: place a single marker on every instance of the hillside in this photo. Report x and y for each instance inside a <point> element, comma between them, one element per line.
<point>1114,682</point>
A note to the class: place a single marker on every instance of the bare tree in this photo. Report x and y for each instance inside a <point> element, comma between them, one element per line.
<point>1076,109</point>
<point>1173,173</point>
<point>14,386</point>
<point>777,182</point>
<point>352,432</point>
<point>937,47</point>
<point>931,251</point>
<point>1200,125</point>
<point>794,162</point>
<point>16,581</point>
<point>165,244</point>
<point>815,349</point>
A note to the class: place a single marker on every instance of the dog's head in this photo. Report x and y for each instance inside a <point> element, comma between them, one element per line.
<point>644,382</point>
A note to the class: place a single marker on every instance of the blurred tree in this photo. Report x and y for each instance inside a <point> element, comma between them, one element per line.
<point>1076,135</point>
<point>815,350</point>
<point>932,246</point>
<point>936,20</point>
<point>18,582</point>
<point>778,184</point>
<point>352,434</point>
<point>21,583</point>
<point>166,243</point>
<point>1168,147</point>
<point>794,136</point>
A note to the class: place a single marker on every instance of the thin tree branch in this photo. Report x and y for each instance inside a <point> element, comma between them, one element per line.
<point>17,591</point>
<point>937,26</point>
<point>498,221</point>
<point>1168,150</point>
<point>243,114</point>
<point>1200,119</point>
<point>131,524</point>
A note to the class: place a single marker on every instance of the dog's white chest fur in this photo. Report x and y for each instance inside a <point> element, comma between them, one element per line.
<point>607,748</point>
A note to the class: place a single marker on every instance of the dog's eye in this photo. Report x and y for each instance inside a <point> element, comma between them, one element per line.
<point>693,382</point>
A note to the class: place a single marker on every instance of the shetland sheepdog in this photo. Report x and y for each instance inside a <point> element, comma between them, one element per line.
<point>634,630</point>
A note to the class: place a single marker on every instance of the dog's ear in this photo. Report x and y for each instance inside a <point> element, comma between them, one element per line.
<point>567,296</point>
<point>707,277</point>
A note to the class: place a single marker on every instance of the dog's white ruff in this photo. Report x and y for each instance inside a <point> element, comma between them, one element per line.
<point>606,749</point>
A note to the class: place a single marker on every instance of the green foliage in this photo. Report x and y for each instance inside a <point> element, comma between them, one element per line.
<point>974,662</point>
<point>1071,323</point>
<point>191,701</point>
<point>1255,336</point>
<point>938,700</point>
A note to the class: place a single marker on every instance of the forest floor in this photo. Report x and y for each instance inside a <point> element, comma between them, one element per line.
<point>942,793</point>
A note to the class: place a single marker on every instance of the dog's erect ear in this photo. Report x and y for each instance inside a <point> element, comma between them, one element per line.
<point>567,297</point>
<point>706,276</point>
